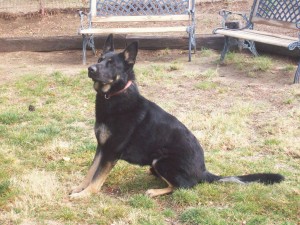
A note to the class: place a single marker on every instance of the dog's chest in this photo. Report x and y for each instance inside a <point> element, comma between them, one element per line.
<point>102,133</point>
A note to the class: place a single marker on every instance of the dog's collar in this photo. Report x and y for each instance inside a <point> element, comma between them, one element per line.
<point>109,95</point>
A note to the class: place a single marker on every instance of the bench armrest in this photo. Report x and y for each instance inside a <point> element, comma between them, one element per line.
<point>85,20</point>
<point>225,14</point>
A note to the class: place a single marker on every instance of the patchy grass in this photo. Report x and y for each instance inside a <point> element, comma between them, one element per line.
<point>262,63</point>
<point>7,192</point>
<point>206,85</point>
<point>141,201</point>
<point>253,66</point>
<point>243,129</point>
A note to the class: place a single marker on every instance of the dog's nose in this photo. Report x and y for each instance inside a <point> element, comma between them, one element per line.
<point>92,69</point>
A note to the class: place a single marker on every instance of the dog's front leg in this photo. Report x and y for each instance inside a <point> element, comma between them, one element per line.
<point>97,180</point>
<point>88,178</point>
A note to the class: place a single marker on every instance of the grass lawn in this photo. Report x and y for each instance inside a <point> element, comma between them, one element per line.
<point>246,116</point>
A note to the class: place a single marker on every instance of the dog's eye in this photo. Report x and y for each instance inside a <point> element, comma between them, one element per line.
<point>110,61</point>
<point>102,57</point>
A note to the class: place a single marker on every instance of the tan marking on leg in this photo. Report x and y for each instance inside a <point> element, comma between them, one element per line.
<point>88,178</point>
<point>96,184</point>
<point>100,179</point>
<point>157,192</point>
<point>162,191</point>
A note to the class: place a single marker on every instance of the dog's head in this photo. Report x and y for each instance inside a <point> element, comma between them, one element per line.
<point>113,69</point>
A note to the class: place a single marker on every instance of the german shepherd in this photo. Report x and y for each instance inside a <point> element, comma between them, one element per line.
<point>134,129</point>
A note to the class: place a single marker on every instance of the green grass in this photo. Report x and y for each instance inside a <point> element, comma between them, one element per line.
<point>289,68</point>
<point>206,85</point>
<point>43,153</point>
<point>206,52</point>
<point>7,192</point>
<point>141,201</point>
<point>252,66</point>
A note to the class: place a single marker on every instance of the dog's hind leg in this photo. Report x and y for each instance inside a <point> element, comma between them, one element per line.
<point>176,172</point>
<point>162,191</point>
<point>157,192</point>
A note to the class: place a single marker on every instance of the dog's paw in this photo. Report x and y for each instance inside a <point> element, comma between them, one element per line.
<point>82,194</point>
<point>157,192</point>
<point>76,189</point>
<point>151,193</point>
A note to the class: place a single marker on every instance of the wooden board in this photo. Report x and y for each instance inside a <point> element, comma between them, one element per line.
<point>276,23</point>
<point>110,19</point>
<point>262,37</point>
<point>133,30</point>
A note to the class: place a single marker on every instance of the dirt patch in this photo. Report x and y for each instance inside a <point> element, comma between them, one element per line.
<point>69,62</point>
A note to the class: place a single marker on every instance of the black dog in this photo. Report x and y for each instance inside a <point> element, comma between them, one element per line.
<point>132,128</point>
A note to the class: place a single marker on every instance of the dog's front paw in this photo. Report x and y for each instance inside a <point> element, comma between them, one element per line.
<point>82,194</point>
<point>76,189</point>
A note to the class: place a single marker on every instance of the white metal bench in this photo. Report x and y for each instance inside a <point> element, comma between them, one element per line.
<point>276,13</point>
<point>131,17</point>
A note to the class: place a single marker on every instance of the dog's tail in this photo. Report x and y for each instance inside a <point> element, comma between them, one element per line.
<point>265,178</point>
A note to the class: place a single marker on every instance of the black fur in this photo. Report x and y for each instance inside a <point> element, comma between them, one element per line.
<point>141,133</point>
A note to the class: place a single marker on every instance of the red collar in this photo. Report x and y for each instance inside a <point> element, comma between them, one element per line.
<point>108,96</point>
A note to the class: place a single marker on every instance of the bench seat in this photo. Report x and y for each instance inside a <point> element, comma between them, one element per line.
<point>136,17</point>
<point>132,30</point>
<point>259,36</point>
<point>275,14</point>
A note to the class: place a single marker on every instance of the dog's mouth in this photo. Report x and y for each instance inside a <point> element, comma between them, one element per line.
<point>94,76</point>
<point>99,79</point>
<point>102,86</point>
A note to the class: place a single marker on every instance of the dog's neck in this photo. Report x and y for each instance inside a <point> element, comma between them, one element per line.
<point>117,103</point>
<point>109,95</point>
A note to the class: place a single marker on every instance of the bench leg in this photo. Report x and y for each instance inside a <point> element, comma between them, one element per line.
<point>297,74</point>
<point>84,44</point>
<point>190,47</point>
<point>92,44</point>
<point>251,46</point>
<point>225,49</point>
<point>87,40</point>
<point>192,42</point>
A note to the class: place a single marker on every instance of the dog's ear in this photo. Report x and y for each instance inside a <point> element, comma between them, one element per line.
<point>109,44</point>
<point>130,53</point>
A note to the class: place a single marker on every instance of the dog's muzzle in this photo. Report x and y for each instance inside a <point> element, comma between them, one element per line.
<point>92,72</point>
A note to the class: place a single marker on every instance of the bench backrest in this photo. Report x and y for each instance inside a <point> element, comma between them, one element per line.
<point>140,10</point>
<point>283,13</point>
